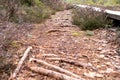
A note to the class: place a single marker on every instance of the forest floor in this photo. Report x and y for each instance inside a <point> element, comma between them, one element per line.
<point>58,38</point>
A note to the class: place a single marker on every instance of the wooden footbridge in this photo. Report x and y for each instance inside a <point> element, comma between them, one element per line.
<point>110,13</point>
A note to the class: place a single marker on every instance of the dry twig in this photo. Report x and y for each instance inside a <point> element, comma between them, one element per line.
<point>49,55</point>
<point>21,63</point>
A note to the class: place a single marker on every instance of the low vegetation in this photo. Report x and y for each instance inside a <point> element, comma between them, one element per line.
<point>29,10</point>
<point>55,4</point>
<point>97,2</point>
<point>87,19</point>
<point>16,16</point>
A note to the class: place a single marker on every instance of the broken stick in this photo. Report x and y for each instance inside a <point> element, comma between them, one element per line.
<point>50,55</point>
<point>56,68</point>
<point>21,62</point>
<point>51,73</point>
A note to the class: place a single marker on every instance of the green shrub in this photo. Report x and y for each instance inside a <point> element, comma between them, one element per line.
<point>87,19</point>
<point>76,18</point>
<point>26,11</point>
<point>57,5</point>
<point>34,13</point>
<point>26,2</point>
<point>91,24</point>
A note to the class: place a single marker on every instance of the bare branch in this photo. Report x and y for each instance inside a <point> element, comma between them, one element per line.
<point>52,73</point>
<point>21,62</point>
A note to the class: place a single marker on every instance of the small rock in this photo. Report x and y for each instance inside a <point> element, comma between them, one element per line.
<point>104,42</point>
<point>99,49</point>
<point>29,35</point>
<point>85,39</point>
<point>103,65</point>
<point>105,58</point>
<point>108,63</point>
<point>103,45</point>
<point>99,75</point>
<point>104,51</point>
<point>56,62</point>
<point>109,70</point>
<point>98,66</point>
<point>93,74</point>
<point>117,67</point>
<point>101,56</point>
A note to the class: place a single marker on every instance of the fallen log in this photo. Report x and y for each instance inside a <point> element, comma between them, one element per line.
<point>16,71</point>
<point>76,63</point>
<point>51,73</point>
<point>56,68</point>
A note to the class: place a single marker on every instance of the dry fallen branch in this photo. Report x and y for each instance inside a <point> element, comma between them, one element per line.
<point>79,64</point>
<point>21,62</point>
<point>55,30</point>
<point>52,73</point>
<point>56,68</point>
<point>49,55</point>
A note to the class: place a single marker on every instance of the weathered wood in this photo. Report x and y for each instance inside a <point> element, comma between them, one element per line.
<point>52,73</point>
<point>114,16</point>
<point>20,63</point>
<point>56,68</point>
<point>76,63</point>
<point>117,13</point>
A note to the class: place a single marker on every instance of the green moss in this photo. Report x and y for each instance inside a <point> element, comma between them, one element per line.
<point>89,33</point>
<point>75,34</point>
<point>14,44</point>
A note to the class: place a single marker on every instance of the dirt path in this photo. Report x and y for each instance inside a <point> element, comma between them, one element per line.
<point>58,36</point>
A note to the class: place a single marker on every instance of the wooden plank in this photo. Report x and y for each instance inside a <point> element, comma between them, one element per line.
<point>117,13</point>
<point>114,16</point>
